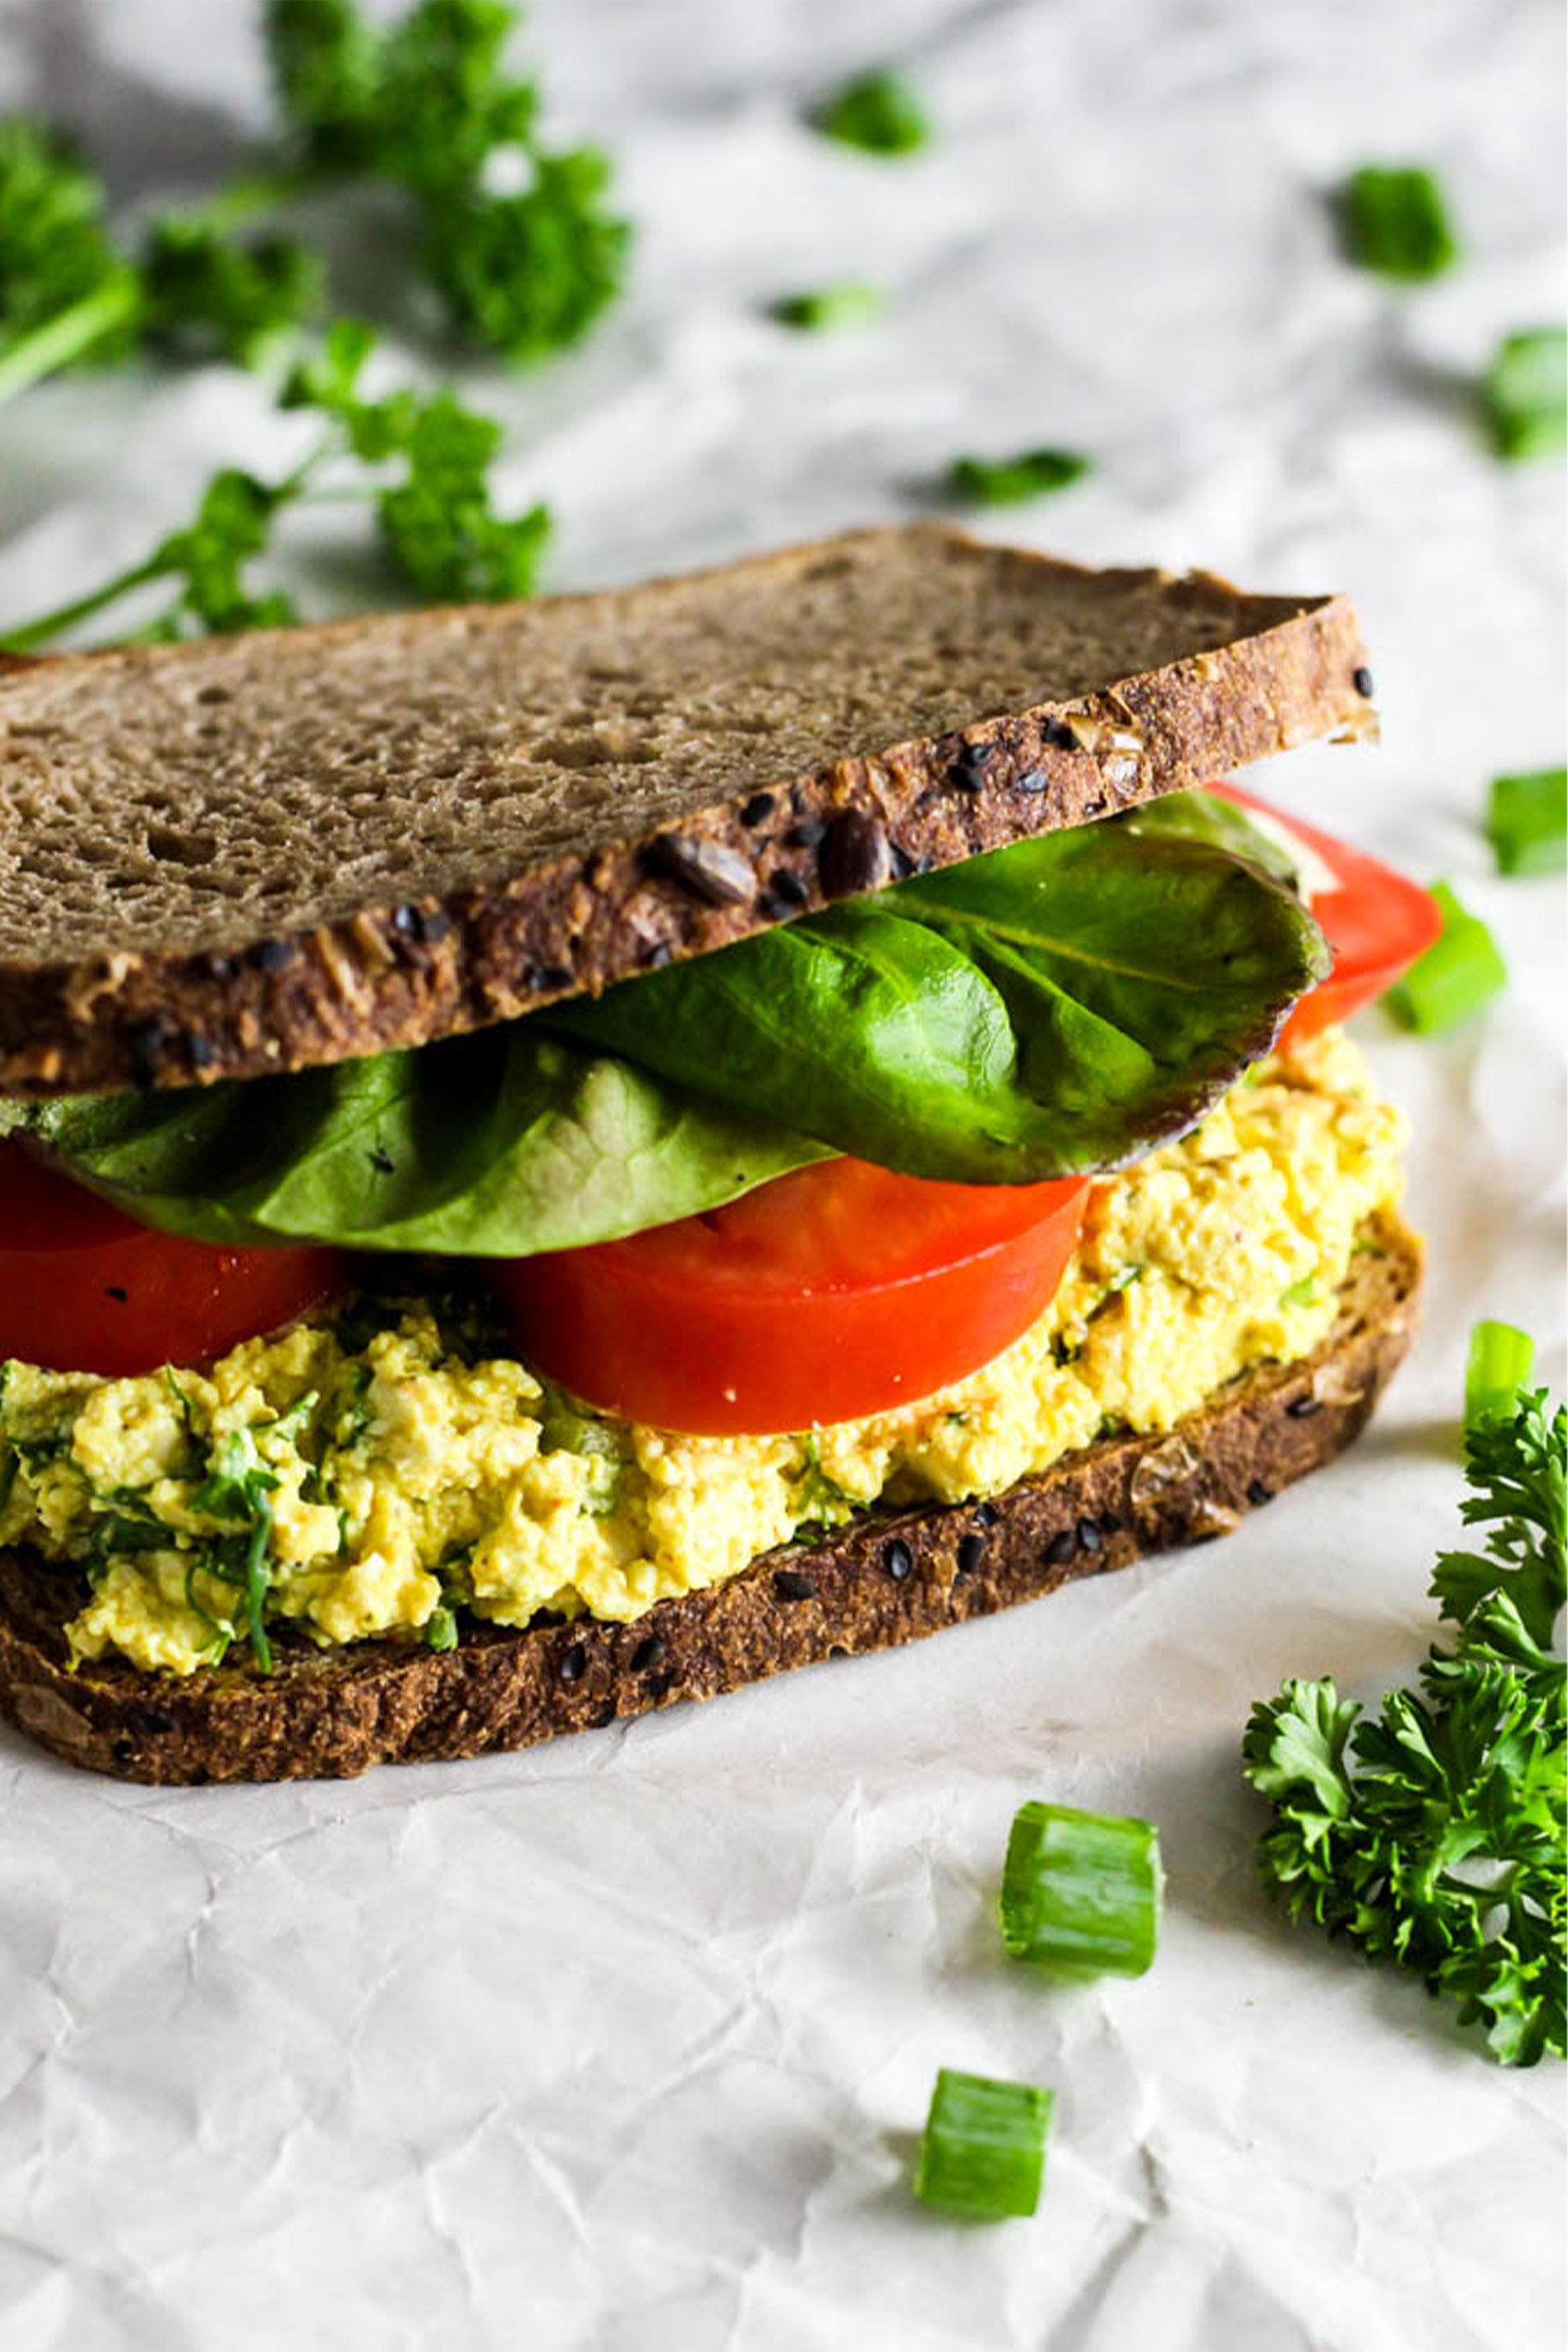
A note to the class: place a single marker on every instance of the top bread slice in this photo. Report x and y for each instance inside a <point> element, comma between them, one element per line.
<point>263,852</point>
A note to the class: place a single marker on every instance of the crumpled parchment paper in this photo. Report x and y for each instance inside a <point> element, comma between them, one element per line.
<point>625,2044</point>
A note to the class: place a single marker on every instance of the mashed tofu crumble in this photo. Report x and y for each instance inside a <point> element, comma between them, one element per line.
<point>353,1481</point>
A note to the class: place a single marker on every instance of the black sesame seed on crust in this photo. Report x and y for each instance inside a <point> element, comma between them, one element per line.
<point>1302,1408</point>
<point>275,955</point>
<point>790,1585</point>
<point>1258,1493</point>
<point>807,834</point>
<point>854,855</point>
<point>1057,732</point>
<point>986,1514</point>
<point>1362,679</point>
<point>149,1040</point>
<point>1110,1523</point>
<point>1089,1536</point>
<point>200,1051</point>
<point>968,771</point>
<point>786,888</point>
<point>574,1666</point>
<point>971,1551</point>
<point>760,805</point>
<point>545,980</point>
<point>1033,780</point>
<point>898,1559</point>
<point>1061,1548</point>
<point>651,1653</point>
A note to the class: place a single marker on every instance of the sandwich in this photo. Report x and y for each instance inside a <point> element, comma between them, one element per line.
<point>562,1157</point>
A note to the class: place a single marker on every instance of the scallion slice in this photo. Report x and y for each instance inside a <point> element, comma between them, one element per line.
<point>983,2151</point>
<point>1458,973</point>
<point>1501,1360</point>
<point>1525,394</point>
<point>826,307</point>
<point>879,112</point>
<point>1527,820</point>
<point>1081,1892</point>
<point>1397,222</point>
<point>1008,482</point>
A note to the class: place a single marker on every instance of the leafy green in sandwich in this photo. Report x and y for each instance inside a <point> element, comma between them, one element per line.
<point>1054,1009</point>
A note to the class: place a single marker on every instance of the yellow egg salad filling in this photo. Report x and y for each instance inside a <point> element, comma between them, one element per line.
<point>370,1472</point>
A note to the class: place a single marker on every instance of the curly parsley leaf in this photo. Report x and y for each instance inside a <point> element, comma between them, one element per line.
<point>1431,1834</point>
<point>206,291</point>
<point>517,238</point>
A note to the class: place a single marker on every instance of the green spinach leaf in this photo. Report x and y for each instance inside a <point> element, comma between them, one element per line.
<point>1052,1009</point>
<point>491,1145</point>
<point>1049,1010</point>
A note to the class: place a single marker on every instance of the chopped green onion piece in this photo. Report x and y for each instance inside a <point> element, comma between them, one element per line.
<point>1008,482</point>
<point>1397,222</point>
<point>849,304</point>
<point>877,112</point>
<point>1499,1363</point>
<point>983,2151</point>
<point>1528,821</point>
<point>1458,973</point>
<point>1525,393</point>
<point>1081,1892</point>
<point>441,1629</point>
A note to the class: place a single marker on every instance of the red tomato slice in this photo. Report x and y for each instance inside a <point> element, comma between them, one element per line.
<point>837,1291</point>
<point>1375,922</point>
<point>83,1289</point>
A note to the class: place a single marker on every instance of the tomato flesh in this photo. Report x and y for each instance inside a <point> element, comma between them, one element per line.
<point>1375,922</point>
<point>84,1289</point>
<point>838,1291</point>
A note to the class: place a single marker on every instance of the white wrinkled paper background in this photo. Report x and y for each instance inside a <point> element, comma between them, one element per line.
<point>625,2044</point>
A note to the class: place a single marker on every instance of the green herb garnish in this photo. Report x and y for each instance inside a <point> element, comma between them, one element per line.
<point>1528,822</point>
<point>516,236</point>
<point>1462,970</point>
<point>983,2151</point>
<point>441,1629</point>
<point>1008,482</point>
<point>1433,1834</point>
<point>422,463</point>
<point>237,1493</point>
<point>878,112</point>
<point>1081,1892</point>
<point>1395,222</point>
<point>1501,1360</point>
<point>849,304</point>
<point>1525,393</point>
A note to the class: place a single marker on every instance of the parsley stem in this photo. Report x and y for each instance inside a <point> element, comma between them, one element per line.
<point>70,334</point>
<point>65,616</point>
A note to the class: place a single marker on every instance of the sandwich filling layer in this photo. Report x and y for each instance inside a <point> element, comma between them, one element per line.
<point>372,1471</point>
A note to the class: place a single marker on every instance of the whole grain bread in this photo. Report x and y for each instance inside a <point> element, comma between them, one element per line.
<point>262,852</point>
<point>889,1577</point>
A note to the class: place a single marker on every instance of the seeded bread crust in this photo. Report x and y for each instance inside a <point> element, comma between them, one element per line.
<point>293,847</point>
<point>889,1577</point>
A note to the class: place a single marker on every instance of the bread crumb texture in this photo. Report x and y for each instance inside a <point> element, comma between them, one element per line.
<point>392,1475</point>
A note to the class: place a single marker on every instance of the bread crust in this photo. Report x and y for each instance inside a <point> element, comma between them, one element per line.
<point>403,974</point>
<point>890,1577</point>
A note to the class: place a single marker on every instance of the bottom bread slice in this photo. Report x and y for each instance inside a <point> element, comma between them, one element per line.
<point>890,1576</point>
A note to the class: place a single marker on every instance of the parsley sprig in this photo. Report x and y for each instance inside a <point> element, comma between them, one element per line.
<point>200,283</point>
<point>1433,1834</point>
<point>422,462</point>
<point>516,237</point>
